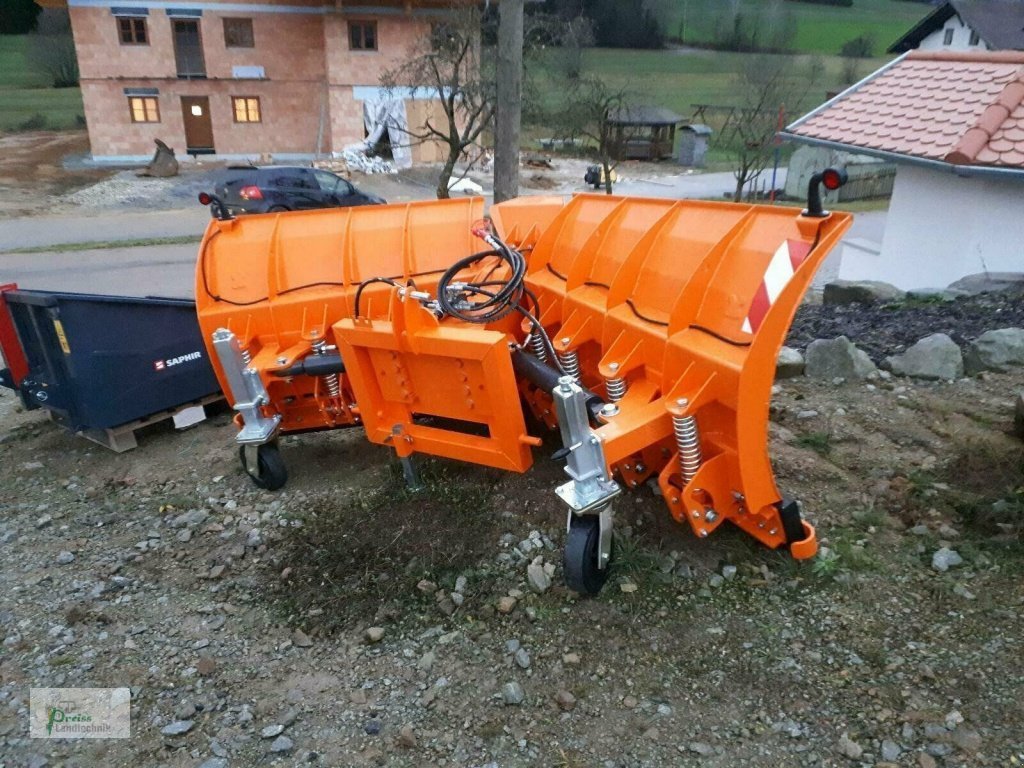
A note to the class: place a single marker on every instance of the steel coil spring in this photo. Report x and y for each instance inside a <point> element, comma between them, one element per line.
<point>538,347</point>
<point>615,389</point>
<point>570,361</point>
<point>688,445</point>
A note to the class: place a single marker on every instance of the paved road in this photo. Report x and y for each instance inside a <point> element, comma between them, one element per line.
<point>159,270</point>
<point>38,231</point>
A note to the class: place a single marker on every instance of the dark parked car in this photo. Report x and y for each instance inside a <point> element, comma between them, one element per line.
<point>286,188</point>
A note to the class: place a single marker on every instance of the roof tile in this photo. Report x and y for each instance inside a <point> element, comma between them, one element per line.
<point>965,108</point>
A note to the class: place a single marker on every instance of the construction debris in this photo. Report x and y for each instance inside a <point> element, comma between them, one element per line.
<point>163,164</point>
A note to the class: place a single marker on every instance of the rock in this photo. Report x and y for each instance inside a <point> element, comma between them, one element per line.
<point>426,587</point>
<point>849,747</point>
<point>570,658</point>
<point>630,702</point>
<point>177,728</point>
<point>946,558</point>
<point>214,762</point>
<point>933,357</point>
<point>828,359</point>
<point>1018,415</point>
<point>272,731</point>
<point>789,364</point>
<point>728,572</point>
<point>925,760</point>
<point>191,518</point>
<point>300,639</point>
<point>987,282</point>
<point>628,587</point>
<point>506,604</point>
<point>406,737</point>
<point>65,558</point>
<point>374,635</point>
<point>44,521</point>
<point>513,694</point>
<point>701,748</point>
<point>861,292</point>
<point>206,666</point>
<point>522,658</point>
<point>565,701</point>
<point>995,351</point>
<point>967,739</point>
<point>890,750</point>
<point>282,744</point>
<point>538,578</point>
<point>373,726</point>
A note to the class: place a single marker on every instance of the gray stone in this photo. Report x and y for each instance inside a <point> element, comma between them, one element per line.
<point>890,750</point>
<point>282,744</point>
<point>1018,415</point>
<point>373,727</point>
<point>177,728</point>
<point>190,518</point>
<point>933,357</point>
<point>513,694</point>
<point>374,634</point>
<point>65,558</point>
<point>565,700</point>
<point>539,580</point>
<point>701,748</point>
<point>829,359</point>
<point>522,658</point>
<point>861,292</point>
<point>995,351</point>
<point>272,731</point>
<point>849,747</point>
<point>789,364</point>
<point>946,558</point>
<point>986,282</point>
<point>214,762</point>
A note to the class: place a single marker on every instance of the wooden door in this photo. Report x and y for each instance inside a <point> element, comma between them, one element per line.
<point>198,127</point>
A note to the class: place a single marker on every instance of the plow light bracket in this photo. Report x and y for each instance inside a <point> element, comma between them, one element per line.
<point>832,179</point>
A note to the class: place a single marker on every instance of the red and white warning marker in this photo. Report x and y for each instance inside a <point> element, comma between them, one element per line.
<point>784,264</point>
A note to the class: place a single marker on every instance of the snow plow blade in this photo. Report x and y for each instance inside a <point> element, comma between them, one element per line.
<point>645,330</point>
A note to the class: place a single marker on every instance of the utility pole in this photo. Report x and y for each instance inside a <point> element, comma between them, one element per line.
<point>509,109</point>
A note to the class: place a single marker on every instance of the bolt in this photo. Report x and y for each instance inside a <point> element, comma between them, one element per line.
<point>640,468</point>
<point>609,409</point>
<point>773,531</point>
<point>703,534</point>
<point>710,516</point>
<point>613,366</point>
<point>682,402</point>
<point>675,499</point>
<point>282,360</point>
<point>695,514</point>
<point>566,340</point>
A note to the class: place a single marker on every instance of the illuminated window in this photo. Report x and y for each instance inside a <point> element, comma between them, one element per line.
<point>132,31</point>
<point>247,109</point>
<point>238,33</point>
<point>144,109</point>
<point>362,35</point>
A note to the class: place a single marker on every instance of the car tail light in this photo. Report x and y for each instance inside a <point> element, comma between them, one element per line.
<point>251,192</point>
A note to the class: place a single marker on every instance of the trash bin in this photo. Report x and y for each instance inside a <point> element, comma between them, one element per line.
<point>693,145</point>
<point>103,364</point>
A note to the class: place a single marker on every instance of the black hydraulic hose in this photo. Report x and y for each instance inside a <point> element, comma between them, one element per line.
<point>545,377</point>
<point>314,365</point>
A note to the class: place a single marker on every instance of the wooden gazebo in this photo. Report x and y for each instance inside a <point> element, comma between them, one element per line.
<point>643,132</point>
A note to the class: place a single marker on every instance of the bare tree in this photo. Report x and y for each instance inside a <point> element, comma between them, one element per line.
<point>449,64</point>
<point>587,111</point>
<point>52,48</point>
<point>766,85</point>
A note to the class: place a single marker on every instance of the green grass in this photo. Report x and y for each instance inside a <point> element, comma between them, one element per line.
<point>25,95</point>
<point>820,29</point>
<point>97,245</point>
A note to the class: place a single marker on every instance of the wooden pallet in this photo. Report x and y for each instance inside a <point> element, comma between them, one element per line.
<point>122,438</point>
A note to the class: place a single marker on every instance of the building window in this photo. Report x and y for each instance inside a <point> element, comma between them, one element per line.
<point>948,38</point>
<point>238,33</point>
<point>132,30</point>
<point>144,109</point>
<point>975,38</point>
<point>362,35</point>
<point>247,109</point>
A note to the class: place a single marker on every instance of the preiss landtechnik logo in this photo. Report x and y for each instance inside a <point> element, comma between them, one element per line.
<point>80,713</point>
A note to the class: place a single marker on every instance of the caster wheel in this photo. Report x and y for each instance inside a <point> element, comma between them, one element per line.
<point>270,473</point>
<point>581,555</point>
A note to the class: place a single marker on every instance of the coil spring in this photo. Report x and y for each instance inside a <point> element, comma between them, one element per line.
<point>246,357</point>
<point>330,380</point>
<point>615,389</point>
<point>540,350</point>
<point>688,444</point>
<point>570,361</point>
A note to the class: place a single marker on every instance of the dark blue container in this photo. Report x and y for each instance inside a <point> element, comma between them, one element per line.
<point>98,362</point>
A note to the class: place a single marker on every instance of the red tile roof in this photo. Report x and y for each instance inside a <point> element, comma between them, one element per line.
<point>956,107</point>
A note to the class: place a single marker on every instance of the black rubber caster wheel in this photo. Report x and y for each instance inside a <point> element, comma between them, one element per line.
<point>271,473</point>
<point>582,549</point>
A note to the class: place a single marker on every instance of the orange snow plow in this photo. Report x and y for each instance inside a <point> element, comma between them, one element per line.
<point>645,330</point>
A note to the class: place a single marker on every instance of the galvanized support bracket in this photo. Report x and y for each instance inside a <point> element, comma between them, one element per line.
<point>590,492</point>
<point>247,391</point>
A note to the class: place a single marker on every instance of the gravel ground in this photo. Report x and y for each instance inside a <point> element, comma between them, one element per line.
<point>338,623</point>
<point>882,330</point>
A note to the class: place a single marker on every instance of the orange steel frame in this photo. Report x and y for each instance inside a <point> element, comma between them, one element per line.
<point>657,293</point>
